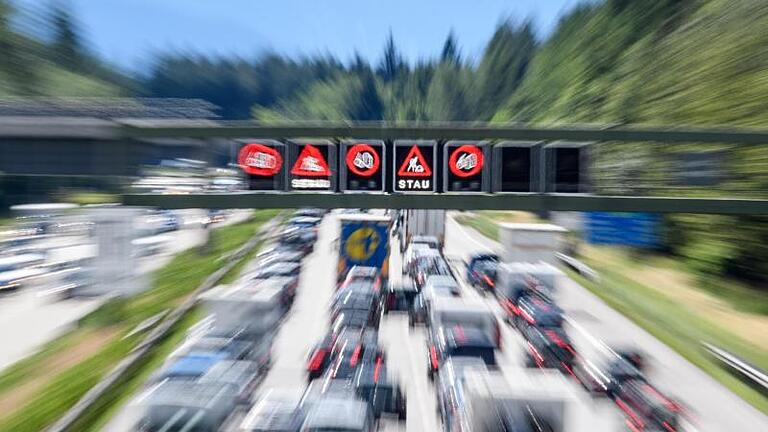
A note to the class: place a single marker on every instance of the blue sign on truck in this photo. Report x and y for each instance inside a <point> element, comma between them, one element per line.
<point>624,229</point>
<point>364,241</point>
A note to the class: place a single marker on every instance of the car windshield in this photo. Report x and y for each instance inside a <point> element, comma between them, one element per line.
<point>485,353</point>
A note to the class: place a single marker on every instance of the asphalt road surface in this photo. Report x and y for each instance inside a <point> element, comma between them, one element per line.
<point>713,406</point>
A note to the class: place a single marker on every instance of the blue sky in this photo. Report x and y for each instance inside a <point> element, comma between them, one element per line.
<point>128,32</point>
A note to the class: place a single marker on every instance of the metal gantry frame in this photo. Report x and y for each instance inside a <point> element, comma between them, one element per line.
<point>456,131</point>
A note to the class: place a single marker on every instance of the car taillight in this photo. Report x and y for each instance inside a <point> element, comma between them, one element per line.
<point>509,305</point>
<point>668,427</point>
<point>433,357</point>
<point>355,356</point>
<point>317,360</point>
<point>377,370</point>
<point>489,281</point>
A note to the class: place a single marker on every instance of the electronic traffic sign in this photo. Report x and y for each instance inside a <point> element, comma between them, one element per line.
<point>516,166</point>
<point>414,163</point>
<point>466,166</point>
<point>313,165</point>
<point>263,162</point>
<point>566,167</point>
<point>363,165</point>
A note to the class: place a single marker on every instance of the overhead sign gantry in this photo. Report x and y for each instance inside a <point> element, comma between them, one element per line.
<point>473,166</point>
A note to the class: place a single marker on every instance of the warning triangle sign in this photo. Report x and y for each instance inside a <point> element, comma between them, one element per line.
<point>311,163</point>
<point>414,165</point>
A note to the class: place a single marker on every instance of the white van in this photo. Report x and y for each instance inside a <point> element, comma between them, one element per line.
<point>449,312</point>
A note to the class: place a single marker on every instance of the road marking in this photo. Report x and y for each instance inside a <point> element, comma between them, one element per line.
<point>468,235</point>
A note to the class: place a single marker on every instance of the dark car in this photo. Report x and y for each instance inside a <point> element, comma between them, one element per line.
<point>646,408</point>
<point>361,303</point>
<point>483,275</point>
<point>478,260</point>
<point>460,341</point>
<point>349,342</point>
<point>400,297</point>
<point>372,384</point>
<point>534,311</point>
<point>310,212</point>
<point>299,239</point>
<point>549,349</point>
<point>284,254</point>
<point>427,266</point>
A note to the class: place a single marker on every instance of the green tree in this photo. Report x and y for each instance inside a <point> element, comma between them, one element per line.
<point>392,65</point>
<point>503,66</point>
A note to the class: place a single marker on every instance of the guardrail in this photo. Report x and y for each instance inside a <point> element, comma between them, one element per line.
<point>579,267</point>
<point>159,333</point>
<point>754,375</point>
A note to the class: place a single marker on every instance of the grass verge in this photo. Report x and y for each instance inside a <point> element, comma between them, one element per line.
<point>668,320</point>
<point>171,284</point>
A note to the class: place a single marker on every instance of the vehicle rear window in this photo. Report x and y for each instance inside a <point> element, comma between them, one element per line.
<point>485,353</point>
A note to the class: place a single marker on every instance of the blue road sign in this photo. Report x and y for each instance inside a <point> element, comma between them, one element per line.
<point>625,229</point>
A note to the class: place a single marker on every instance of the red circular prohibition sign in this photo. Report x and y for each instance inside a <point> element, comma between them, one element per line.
<point>359,164</point>
<point>471,158</point>
<point>261,160</point>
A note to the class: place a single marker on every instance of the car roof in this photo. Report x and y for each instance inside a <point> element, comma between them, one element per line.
<point>363,270</point>
<point>337,412</point>
<point>467,336</point>
<point>441,280</point>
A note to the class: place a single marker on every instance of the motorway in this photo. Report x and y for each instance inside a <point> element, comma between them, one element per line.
<point>591,321</point>
<point>713,406</point>
<point>307,323</point>
<point>30,317</point>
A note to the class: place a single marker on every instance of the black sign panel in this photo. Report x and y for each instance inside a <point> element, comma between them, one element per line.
<point>362,165</point>
<point>516,166</point>
<point>312,165</point>
<point>566,167</point>
<point>414,166</point>
<point>466,166</point>
<point>263,162</point>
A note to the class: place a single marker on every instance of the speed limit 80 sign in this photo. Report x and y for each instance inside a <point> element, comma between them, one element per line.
<point>466,166</point>
<point>362,165</point>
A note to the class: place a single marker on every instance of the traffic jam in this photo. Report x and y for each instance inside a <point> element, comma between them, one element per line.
<point>474,317</point>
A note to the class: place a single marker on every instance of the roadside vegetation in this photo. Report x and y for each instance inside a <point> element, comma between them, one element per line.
<point>37,390</point>
<point>670,300</point>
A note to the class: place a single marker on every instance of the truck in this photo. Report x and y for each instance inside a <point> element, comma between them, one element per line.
<point>524,400</point>
<point>421,223</point>
<point>364,241</point>
<point>531,243</point>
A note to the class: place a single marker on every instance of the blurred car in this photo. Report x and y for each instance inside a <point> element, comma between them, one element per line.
<point>534,311</point>
<point>447,312</point>
<point>646,408</point>
<point>354,301</point>
<point>373,385</point>
<point>426,266</point>
<point>296,238</point>
<point>216,216</point>
<point>441,285</point>
<point>400,297</point>
<point>449,382</point>
<point>304,223</point>
<point>459,341</point>
<point>483,275</point>
<point>274,412</point>
<point>412,252</point>
<point>431,241</point>
<point>190,366</point>
<point>241,375</point>
<point>362,274</point>
<point>186,405</point>
<point>310,212</point>
<point>334,343</point>
<point>286,254</point>
<point>347,414</point>
<point>549,349</point>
